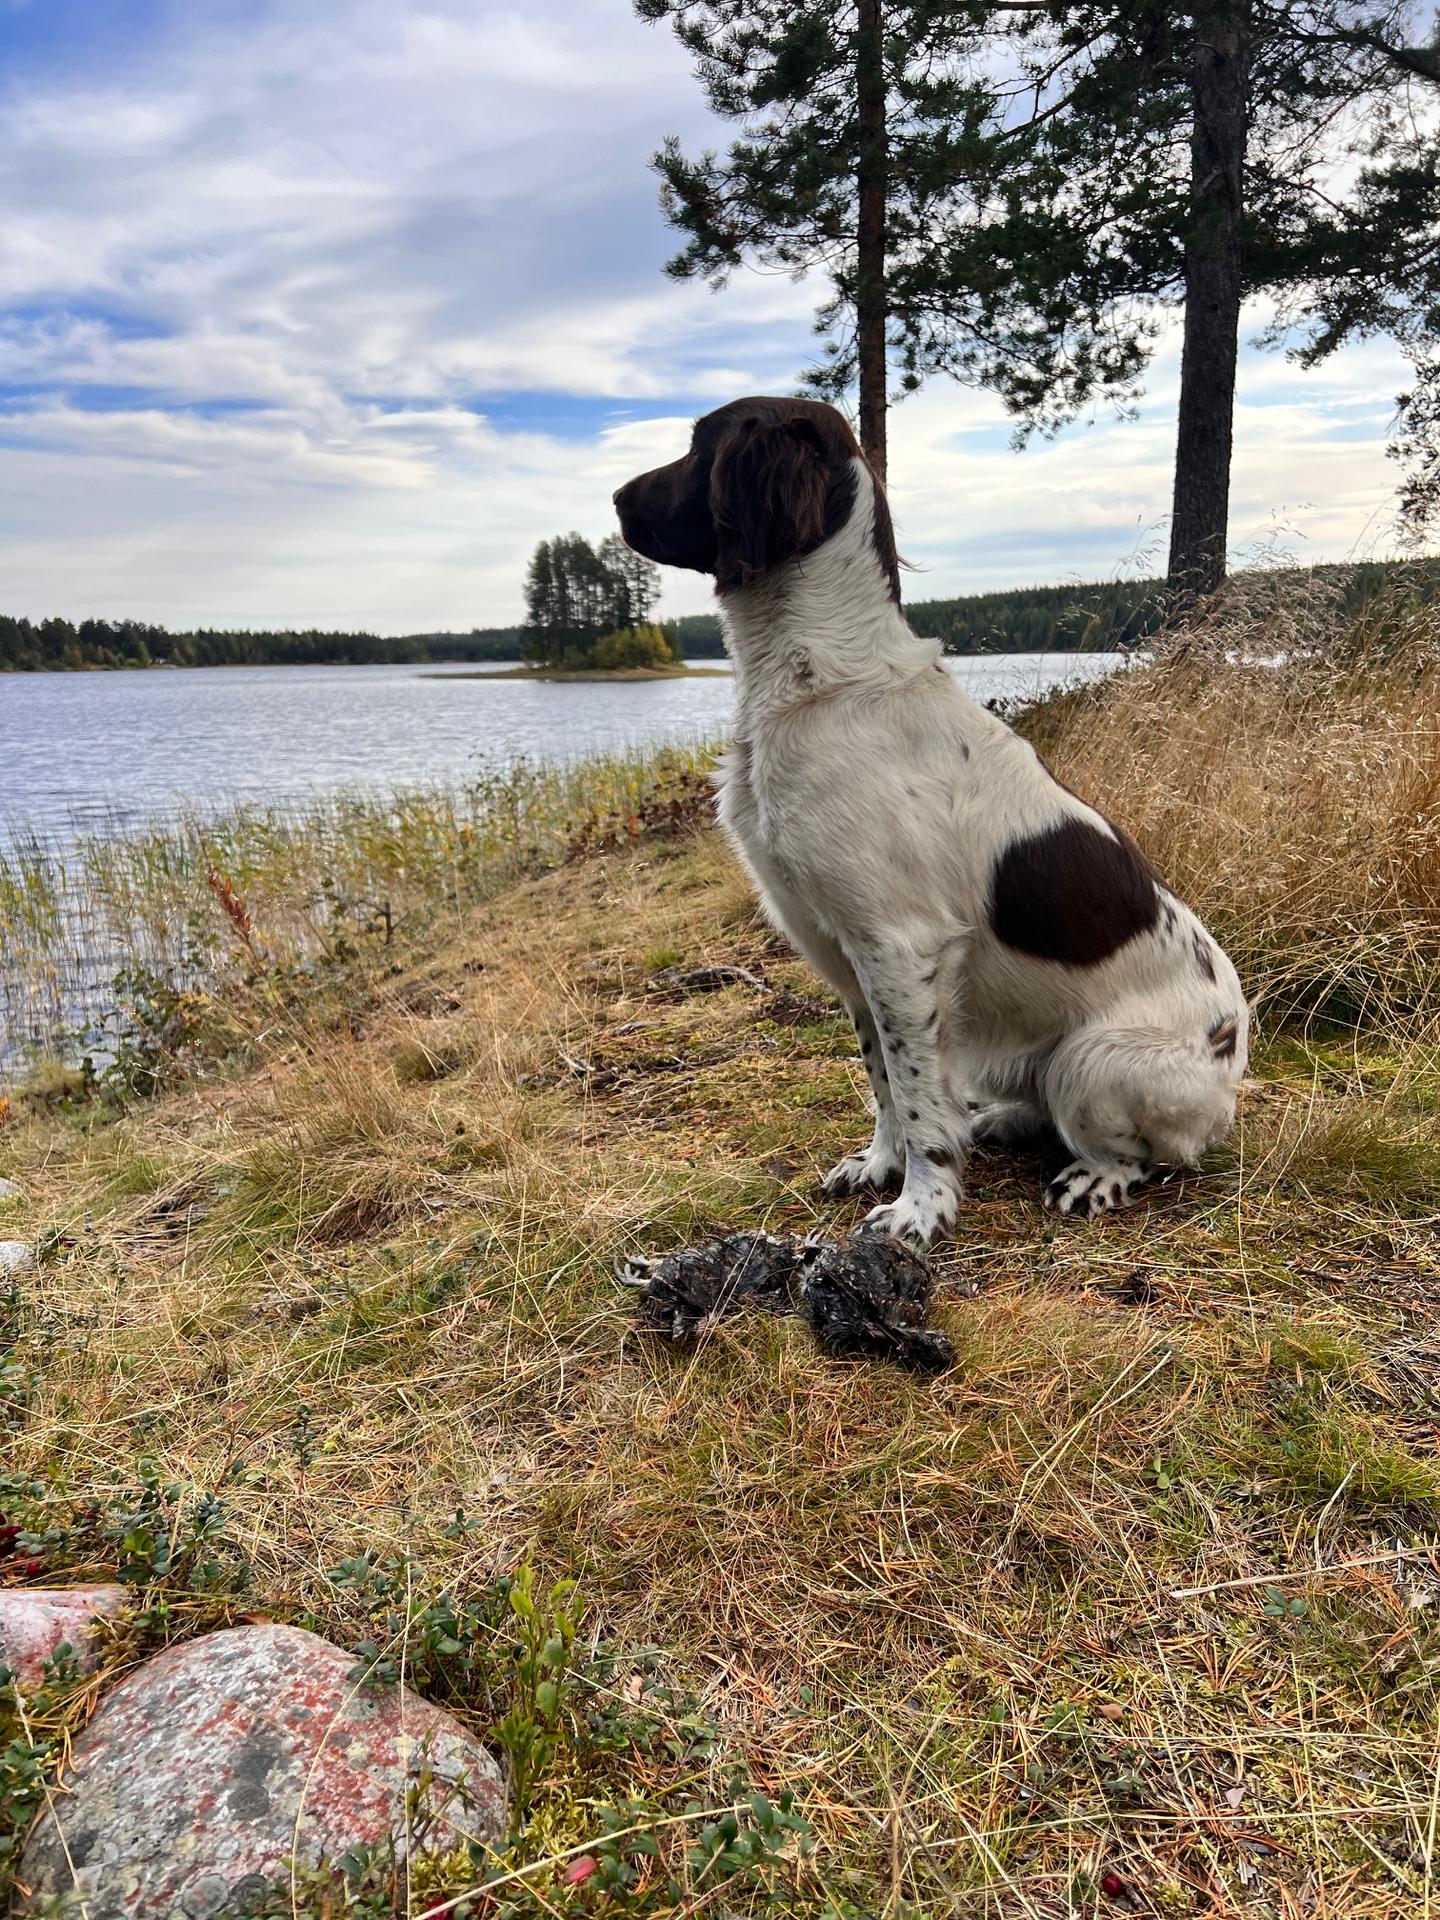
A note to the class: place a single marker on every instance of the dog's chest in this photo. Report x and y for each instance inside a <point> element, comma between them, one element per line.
<point>757,800</point>
<point>743,812</point>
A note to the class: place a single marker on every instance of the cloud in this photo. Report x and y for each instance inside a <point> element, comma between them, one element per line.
<point>1310,478</point>
<point>326,312</point>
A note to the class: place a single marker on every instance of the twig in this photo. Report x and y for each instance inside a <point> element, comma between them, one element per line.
<point>1306,1573</point>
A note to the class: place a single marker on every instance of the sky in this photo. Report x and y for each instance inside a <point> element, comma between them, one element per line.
<point>323,313</point>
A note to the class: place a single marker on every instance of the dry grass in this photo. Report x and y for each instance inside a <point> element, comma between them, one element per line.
<point>1294,801</point>
<point>364,1281</point>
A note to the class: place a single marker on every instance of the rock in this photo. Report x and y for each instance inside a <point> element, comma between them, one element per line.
<point>9,1190</point>
<point>34,1621</point>
<point>223,1764</point>
<point>15,1256</point>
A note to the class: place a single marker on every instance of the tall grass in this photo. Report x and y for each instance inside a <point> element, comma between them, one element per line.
<point>318,877</point>
<point>1281,767</point>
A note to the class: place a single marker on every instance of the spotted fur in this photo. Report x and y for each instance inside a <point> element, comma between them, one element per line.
<point>1009,959</point>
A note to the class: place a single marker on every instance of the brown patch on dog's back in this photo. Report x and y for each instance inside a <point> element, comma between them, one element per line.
<point>1072,894</point>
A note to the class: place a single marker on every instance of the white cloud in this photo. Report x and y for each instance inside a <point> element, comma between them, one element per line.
<point>283,292</point>
<point>1310,474</point>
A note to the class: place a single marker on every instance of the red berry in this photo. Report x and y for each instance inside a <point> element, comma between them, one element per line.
<point>579,1870</point>
<point>1112,1885</point>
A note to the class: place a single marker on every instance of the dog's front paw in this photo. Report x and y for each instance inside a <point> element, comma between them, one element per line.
<point>918,1219</point>
<point>867,1172</point>
<point>1096,1187</point>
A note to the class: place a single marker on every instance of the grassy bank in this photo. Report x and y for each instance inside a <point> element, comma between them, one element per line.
<point>1131,1611</point>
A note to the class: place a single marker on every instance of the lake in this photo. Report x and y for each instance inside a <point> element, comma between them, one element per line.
<point>111,751</point>
<point>86,757</point>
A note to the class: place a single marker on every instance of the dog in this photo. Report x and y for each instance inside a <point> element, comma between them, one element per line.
<point>1011,962</point>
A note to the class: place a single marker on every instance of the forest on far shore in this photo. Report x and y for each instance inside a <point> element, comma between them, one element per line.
<point>60,646</point>
<point>1101,615</point>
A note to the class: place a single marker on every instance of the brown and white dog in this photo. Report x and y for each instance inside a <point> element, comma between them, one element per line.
<point>1009,958</point>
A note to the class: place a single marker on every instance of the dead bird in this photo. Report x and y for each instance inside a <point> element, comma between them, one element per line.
<point>868,1296</point>
<point>871,1296</point>
<point>686,1292</point>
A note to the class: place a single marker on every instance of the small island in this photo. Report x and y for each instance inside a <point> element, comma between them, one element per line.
<point>588,614</point>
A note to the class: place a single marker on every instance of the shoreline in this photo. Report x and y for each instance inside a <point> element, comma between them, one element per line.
<point>313,1316</point>
<point>585,673</point>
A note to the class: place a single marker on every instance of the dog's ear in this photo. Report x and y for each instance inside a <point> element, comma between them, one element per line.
<point>768,487</point>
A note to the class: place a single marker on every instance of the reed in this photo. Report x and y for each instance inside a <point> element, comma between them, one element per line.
<point>304,881</point>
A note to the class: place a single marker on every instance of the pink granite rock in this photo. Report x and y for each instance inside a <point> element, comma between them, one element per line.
<point>221,1766</point>
<point>34,1621</point>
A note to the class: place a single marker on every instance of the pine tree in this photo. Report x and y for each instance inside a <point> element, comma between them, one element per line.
<point>540,606</point>
<point>635,587</point>
<point>863,123</point>
<point>1195,158</point>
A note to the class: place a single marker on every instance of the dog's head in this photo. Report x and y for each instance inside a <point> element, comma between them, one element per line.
<point>764,481</point>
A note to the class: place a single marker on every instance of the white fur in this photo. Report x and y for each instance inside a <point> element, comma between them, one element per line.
<point>869,798</point>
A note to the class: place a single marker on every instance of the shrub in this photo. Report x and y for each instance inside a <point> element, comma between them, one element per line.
<point>634,647</point>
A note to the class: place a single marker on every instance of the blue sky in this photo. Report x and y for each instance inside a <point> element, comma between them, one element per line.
<point>324,313</point>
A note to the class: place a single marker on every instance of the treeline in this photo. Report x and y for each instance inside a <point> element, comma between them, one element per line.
<point>62,646</point>
<point>1106,614</point>
<point>1102,615</point>
<point>1024,620</point>
<point>481,643</point>
<point>1115,614</point>
<point>695,636</point>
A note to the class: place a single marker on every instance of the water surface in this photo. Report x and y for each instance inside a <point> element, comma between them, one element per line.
<point>111,751</point>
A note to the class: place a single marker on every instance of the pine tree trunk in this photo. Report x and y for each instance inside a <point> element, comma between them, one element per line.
<point>870,304</point>
<point>1213,287</point>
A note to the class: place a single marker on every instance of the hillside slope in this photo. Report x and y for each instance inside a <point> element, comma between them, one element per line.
<point>1130,1611</point>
